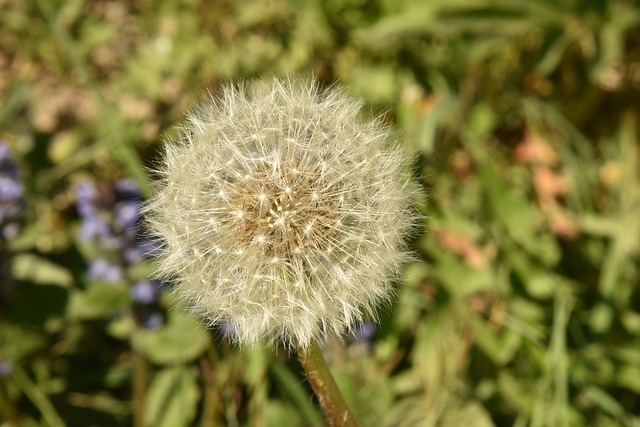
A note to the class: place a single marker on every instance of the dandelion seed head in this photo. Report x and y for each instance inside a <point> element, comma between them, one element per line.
<point>281,213</point>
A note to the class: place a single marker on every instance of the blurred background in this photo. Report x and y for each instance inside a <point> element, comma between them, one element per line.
<point>523,306</point>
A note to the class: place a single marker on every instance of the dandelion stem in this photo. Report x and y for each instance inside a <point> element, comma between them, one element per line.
<point>325,387</point>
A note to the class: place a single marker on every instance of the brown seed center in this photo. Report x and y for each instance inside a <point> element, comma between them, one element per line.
<point>280,213</point>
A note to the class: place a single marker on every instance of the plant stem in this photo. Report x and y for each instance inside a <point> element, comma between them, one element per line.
<point>7,409</point>
<point>38,398</point>
<point>211,408</point>
<point>325,387</point>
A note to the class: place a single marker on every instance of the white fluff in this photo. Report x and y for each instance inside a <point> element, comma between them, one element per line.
<point>281,212</point>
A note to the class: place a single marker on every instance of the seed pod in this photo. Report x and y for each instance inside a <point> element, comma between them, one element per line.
<point>281,212</point>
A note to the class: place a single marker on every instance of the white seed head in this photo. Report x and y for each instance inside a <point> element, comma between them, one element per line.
<point>281,213</point>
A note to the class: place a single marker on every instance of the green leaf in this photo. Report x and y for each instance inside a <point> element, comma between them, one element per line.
<point>508,205</point>
<point>470,413</point>
<point>601,318</point>
<point>482,120</point>
<point>98,300</point>
<point>377,83</point>
<point>501,348</point>
<point>605,401</point>
<point>121,327</point>
<point>35,269</point>
<point>20,342</point>
<point>410,302</point>
<point>629,377</point>
<point>172,397</point>
<point>458,278</point>
<point>256,368</point>
<point>64,145</point>
<point>290,386</point>
<point>593,366</point>
<point>631,321</point>
<point>514,391</point>
<point>279,414</point>
<point>539,282</point>
<point>180,340</point>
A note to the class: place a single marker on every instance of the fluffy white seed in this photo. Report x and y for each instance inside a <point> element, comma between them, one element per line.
<point>281,212</point>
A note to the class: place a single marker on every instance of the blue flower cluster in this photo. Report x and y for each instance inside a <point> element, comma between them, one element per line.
<point>110,217</point>
<point>11,191</point>
<point>6,367</point>
<point>362,337</point>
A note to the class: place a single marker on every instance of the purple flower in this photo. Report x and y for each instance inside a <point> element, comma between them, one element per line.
<point>127,189</point>
<point>111,221</point>
<point>10,189</point>
<point>145,292</point>
<point>102,269</point>
<point>127,214</point>
<point>10,230</point>
<point>6,366</point>
<point>132,255</point>
<point>86,192</point>
<point>152,320</point>
<point>5,151</point>
<point>86,207</point>
<point>94,227</point>
<point>365,331</point>
<point>148,246</point>
<point>11,192</point>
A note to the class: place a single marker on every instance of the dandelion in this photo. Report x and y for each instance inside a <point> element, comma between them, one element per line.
<point>282,214</point>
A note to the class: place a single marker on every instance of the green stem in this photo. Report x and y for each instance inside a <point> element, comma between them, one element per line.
<point>7,410</point>
<point>38,398</point>
<point>325,387</point>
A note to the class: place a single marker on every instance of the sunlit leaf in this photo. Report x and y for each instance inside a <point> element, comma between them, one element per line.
<point>180,340</point>
<point>172,397</point>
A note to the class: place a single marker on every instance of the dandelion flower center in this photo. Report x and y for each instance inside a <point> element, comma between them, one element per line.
<point>281,215</point>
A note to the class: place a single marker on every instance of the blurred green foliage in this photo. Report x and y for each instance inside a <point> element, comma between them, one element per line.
<point>523,306</point>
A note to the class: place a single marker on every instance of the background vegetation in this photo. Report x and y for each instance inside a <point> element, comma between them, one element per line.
<point>524,308</point>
